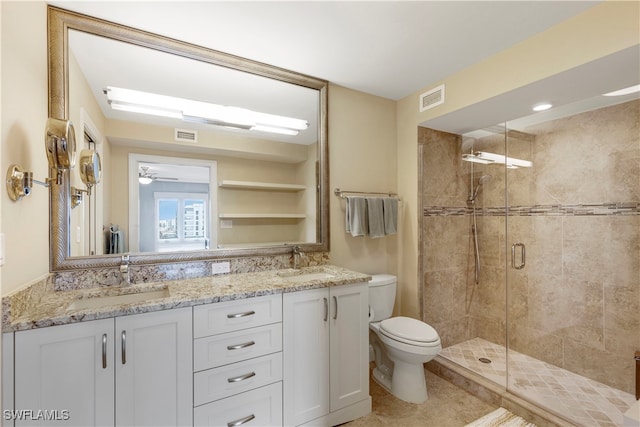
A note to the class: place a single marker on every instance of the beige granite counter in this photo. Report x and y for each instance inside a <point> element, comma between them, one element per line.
<point>52,307</point>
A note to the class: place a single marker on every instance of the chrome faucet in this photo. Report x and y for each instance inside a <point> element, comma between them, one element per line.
<point>125,278</point>
<point>296,257</point>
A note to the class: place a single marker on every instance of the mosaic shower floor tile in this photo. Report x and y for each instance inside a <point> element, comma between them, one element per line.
<point>584,401</point>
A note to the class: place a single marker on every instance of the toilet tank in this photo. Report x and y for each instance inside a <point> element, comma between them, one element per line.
<point>382,296</point>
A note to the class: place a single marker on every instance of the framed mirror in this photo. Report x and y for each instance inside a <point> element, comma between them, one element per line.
<point>204,154</point>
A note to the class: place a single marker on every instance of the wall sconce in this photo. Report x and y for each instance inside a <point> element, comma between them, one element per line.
<point>90,174</point>
<point>19,182</point>
<point>60,145</point>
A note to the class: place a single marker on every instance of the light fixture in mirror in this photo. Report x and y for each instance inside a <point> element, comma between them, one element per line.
<point>136,101</point>
<point>154,64</point>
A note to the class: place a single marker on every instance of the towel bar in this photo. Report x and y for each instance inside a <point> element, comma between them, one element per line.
<point>340,193</point>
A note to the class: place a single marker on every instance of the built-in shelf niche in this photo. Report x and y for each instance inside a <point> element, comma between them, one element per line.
<point>266,186</point>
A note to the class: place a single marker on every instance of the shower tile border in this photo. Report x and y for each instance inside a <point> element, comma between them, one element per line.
<point>582,209</point>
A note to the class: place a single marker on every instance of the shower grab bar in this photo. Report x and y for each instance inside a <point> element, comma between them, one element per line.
<point>522,256</point>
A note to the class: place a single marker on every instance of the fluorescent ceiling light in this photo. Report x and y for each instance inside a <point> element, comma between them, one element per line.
<point>625,91</point>
<point>473,159</point>
<point>201,112</point>
<point>542,106</point>
<point>146,110</point>
<point>490,158</point>
<point>272,129</point>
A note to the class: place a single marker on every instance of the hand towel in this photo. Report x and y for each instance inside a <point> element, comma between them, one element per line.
<point>375,215</point>
<point>390,206</point>
<point>356,216</point>
<point>118,242</point>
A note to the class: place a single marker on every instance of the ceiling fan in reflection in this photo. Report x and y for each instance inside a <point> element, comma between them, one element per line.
<point>146,177</point>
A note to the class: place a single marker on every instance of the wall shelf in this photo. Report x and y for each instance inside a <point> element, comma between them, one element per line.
<point>266,186</point>
<point>261,215</point>
<point>258,244</point>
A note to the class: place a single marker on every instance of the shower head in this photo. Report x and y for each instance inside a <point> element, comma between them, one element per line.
<point>481,181</point>
<point>484,179</point>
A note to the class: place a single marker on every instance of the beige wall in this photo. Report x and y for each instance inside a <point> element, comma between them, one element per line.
<point>24,112</point>
<point>84,108</point>
<point>604,29</point>
<point>362,157</point>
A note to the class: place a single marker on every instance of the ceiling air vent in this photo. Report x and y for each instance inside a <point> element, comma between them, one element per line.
<point>184,135</point>
<point>432,98</point>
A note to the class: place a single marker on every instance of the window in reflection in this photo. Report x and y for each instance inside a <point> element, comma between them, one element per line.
<point>181,220</point>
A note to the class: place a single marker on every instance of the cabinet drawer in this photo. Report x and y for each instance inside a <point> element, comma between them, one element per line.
<point>230,316</point>
<point>259,407</point>
<point>223,349</point>
<point>218,383</point>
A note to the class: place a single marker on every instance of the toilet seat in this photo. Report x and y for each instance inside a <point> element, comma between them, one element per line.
<point>409,331</point>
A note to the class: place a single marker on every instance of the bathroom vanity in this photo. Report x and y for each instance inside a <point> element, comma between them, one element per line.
<point>283,347</point>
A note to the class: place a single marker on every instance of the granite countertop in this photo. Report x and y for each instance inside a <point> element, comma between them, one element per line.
<point>58,307</point>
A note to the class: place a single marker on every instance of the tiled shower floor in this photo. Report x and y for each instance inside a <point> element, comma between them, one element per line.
<point>583,401</point>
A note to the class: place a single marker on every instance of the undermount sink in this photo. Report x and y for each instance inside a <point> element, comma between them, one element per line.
<point>98,301</point>
<point>303,276</point>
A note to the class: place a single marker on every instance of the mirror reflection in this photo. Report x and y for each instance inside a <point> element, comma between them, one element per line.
<point>194,156</point>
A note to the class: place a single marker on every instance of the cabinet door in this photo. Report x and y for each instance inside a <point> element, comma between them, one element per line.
<point>68,371</point>
<point>306,355</point>
<point>7,376</point>
<point>349,345</point>
<point>154,369</point>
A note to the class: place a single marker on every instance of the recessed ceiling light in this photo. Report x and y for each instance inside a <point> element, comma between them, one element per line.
<point>625,91</point>
<point>541,106</point>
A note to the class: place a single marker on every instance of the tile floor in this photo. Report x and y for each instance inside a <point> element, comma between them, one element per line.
<point>582,400</point>
<point>447,406</point>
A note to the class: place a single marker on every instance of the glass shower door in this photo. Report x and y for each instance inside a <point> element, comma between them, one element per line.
<point>572,262</point>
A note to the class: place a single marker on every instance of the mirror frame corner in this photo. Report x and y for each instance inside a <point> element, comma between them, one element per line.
<point>60,21</point>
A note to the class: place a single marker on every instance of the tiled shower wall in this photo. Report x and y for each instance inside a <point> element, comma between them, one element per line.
<point>576,304</point>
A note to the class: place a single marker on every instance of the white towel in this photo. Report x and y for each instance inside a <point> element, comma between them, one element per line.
<point>375,215</point>
<point>356,216</point>
<point>390,215</point>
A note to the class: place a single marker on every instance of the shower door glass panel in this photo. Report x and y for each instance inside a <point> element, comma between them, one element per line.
<point>573,309</point>
<point>463,235</point>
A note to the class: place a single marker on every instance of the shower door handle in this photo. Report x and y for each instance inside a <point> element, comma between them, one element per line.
<point>522,256</point>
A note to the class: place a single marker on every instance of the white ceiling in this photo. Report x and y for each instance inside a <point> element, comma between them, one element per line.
<point>389,49</point>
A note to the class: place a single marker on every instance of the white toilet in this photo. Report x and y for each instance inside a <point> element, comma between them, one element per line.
<point>401,345</point>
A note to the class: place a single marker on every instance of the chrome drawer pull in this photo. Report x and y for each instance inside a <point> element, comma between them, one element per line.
<point>241,377</point>
<point>335,314</point>
<point>326,309</point>
<point>104,351</point>
<point>245,314</point>
<point>239,346</point>
<point>241,421</point>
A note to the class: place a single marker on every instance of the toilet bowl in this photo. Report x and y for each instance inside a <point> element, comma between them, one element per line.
<point>401,345</point>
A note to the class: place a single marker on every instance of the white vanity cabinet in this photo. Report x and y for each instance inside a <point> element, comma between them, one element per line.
<point>133,370</point>
<point>153,364</point>
<point>238,362</point>
<point>326,370</point>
